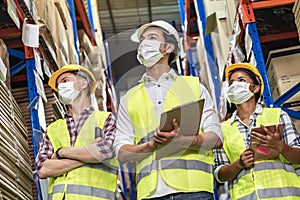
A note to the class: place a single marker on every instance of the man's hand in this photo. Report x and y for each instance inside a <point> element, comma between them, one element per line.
<point>164,138</point>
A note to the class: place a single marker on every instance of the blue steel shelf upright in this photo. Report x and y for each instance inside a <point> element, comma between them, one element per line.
<point>185,8</point>
<point>250,24</point>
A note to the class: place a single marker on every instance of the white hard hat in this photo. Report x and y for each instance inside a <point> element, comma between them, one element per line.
<point>159,23</point>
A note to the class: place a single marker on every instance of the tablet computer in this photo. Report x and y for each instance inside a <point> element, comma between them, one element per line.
<point>188,117</point>
<point>262,152</point>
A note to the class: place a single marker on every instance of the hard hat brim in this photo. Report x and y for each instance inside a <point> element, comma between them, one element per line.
<point>248,66</point>
<point>70,68</point>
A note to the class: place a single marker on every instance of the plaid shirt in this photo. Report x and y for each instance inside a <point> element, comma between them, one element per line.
<point>290,135</point>
<point>105,146</point>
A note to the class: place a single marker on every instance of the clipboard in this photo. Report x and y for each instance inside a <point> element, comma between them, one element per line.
<point>262,152</point>
<point>188,117</point>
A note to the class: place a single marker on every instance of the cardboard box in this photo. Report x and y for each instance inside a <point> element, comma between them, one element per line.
<point>284,71</point>
<point>60,37</point>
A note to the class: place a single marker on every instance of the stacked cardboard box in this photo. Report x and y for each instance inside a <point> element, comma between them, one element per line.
<point>15,164</point>
<point>284,73</point>
<point>53,110</point>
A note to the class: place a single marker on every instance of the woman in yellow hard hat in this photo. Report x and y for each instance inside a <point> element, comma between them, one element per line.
<point>261,169</point>
<point>76,152</point>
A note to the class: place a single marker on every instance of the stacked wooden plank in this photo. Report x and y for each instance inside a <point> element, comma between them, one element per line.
<point>15,164</point>
<point>53,111</point>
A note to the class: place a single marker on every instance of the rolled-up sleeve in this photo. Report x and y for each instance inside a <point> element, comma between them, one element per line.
<point>210,120</point>
<point>106,145</point>
<point>124,129</point>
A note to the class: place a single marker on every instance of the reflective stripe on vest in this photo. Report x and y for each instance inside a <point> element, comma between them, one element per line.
<point>265,176</point>
<point>174,164</point>
<point>97,176</point>
<point>147,138</point>
<point>145,121</point>
<point>104,167</point>
<point>83,190</point>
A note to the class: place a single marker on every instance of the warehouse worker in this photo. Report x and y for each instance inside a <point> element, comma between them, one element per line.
<point>78,160</point>
<point>184,175</point>
<point>273,178</point>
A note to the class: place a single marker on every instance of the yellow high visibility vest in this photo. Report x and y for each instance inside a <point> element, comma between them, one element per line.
<point>93,181</point>
<point>186,171</point>
<point>274,179</point>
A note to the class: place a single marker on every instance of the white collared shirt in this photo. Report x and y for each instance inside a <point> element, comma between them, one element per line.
<point>157,91</point>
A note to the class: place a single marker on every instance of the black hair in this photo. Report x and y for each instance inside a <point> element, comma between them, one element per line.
<point>254,77</point>
<point>172,40</point>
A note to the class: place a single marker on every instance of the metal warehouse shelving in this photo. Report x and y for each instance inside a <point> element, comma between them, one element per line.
<point>23,69</point>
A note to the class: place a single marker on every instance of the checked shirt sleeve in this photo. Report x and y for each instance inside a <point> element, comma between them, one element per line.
<point>106,145</point>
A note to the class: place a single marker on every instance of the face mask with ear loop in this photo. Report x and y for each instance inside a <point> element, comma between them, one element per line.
<point>67,94</point>
<point>238,92</point>
<point>149,53</point>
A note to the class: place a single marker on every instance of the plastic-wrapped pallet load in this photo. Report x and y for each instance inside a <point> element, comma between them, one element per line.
<point>15,164</point>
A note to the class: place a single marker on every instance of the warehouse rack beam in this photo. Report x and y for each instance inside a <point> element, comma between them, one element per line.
<point>34,119</point>
<point>211,58</point>
<point>17,68</point>
<point>288,94</point>
<point>185,18</point>
<point>267,95</point>
<point>90,16</point>
<point>247,13</point>
<point>73,17</point>
<point>186,21</point>
<point>270,3</point>
<point>84,19</point>
<point>16,53</point>
<point>10,32</point>
<point>274,37</point>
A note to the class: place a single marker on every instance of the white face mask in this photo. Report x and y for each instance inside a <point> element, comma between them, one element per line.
<point>67,93</point>
<point>238,92</point>
<point>149,53</point>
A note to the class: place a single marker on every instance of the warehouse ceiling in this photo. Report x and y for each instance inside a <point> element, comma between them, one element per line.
<point>117,16</point>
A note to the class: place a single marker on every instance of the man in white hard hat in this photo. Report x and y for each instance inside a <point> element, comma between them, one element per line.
<point>76,153</point>
<point>186,174</point>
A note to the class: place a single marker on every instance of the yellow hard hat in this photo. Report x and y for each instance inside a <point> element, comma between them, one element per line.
<point>248,66</point>
<point>69,68</point>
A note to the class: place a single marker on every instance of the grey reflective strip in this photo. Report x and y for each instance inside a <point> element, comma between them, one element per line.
<point>297,171</point>
<point>147,138</point>
<point>107,168</point>
<point>186,164</point>
<point>90,191</point>
<point>278,192</point>
<point>145,171</point>
<point>240,175</point>
<point>56,189</point>
<point>273,166</point>
<point>251,196</point>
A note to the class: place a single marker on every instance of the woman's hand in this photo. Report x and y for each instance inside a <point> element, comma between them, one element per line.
<point>246,158</point>
<point>271,139</point>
